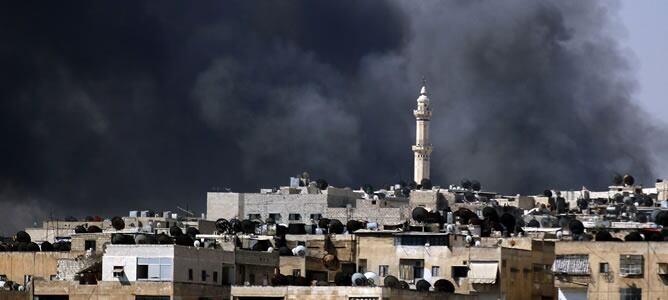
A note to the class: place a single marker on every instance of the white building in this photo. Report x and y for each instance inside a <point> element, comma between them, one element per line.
<point>128,263</point>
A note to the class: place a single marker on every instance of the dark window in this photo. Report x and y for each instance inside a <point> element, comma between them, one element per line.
<point>383,270</point>
<point>227,278</point>
<point>435,271</point>
<point>603,267</point>
<point>631,265</point>
<point>460,271</point>
<point>296,272</point>
<point>190,274</point>
<point>295,217</point>
<point>254,217</point>
<point>215,276</point>
<point>373,202</point>
<point>362,266</point>
<point>142,271</point>
<point>316,216</point>
<point>203,275</point>
<point>276,217</point>
<point>422,240</point>
<point>630,294</point>
<point>89,244</point>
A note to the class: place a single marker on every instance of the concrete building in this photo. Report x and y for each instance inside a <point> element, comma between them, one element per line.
<point>161,272</point>
<point>54,230</point>
<point>516,268</point>
<point>301,205</point>
<point>611,270</point>
<point>422,148</point>
<point>17,265</point>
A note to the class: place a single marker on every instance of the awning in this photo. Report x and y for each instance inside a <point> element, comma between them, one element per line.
<point>572,264</point>
<point>483,272</point>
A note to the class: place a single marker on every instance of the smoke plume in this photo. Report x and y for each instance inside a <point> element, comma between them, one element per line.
<point>107,108</point>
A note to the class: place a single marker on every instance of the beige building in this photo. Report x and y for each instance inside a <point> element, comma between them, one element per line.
<point>611,270</point>
<point>337,293</point>
<point>491,269</point>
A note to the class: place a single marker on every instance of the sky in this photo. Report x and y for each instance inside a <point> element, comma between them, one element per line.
<point>106,108</point>
<point>647,27</point>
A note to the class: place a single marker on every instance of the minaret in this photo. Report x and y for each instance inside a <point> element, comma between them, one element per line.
<point>422,147</point>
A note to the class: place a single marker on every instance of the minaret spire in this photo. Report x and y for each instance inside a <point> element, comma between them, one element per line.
<point>422,148</point>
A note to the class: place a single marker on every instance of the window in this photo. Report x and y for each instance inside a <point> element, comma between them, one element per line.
<point>276,217</point>
<point>89,244</point>
<point>154,268</point>
<point>190,274</point>
<point>254,217</point>
<point>203,275</point>
<point>435,271</point>
<point>316,217</point>
<point>361,268</point>
<point>383,270</point>
<point>630,294</point>
<point>215,276</point>
<point>460,271</point>
<point>227,275</point>
<point>421,240</point>
<point>630,265</point>
<point>411,269</point>
<point>662,268</point>
<point>573,264</point>
<point>373,202</point>
<point>296,272</point>
<point>603,267</point>
<point>295,217</point>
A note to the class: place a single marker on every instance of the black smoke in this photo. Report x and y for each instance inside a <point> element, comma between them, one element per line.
<point>106,107</point>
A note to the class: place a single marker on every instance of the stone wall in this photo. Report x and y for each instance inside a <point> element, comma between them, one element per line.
<point>68,267</point>
<point>38,264</point>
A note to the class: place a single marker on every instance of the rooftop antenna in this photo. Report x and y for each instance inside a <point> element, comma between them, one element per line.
<point>185,211</point>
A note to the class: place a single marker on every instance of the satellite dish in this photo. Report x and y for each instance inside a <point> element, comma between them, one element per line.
<point>358,279</point>
<point>299,251</point>
<point>628,180</point>
<point>391,282</point>
<point>372,279</point>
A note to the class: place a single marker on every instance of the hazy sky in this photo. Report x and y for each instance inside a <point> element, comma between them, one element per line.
<point>647,27</point>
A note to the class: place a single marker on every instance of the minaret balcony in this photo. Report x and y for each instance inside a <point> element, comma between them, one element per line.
<point>422,148</point>
<point>422,114</point>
